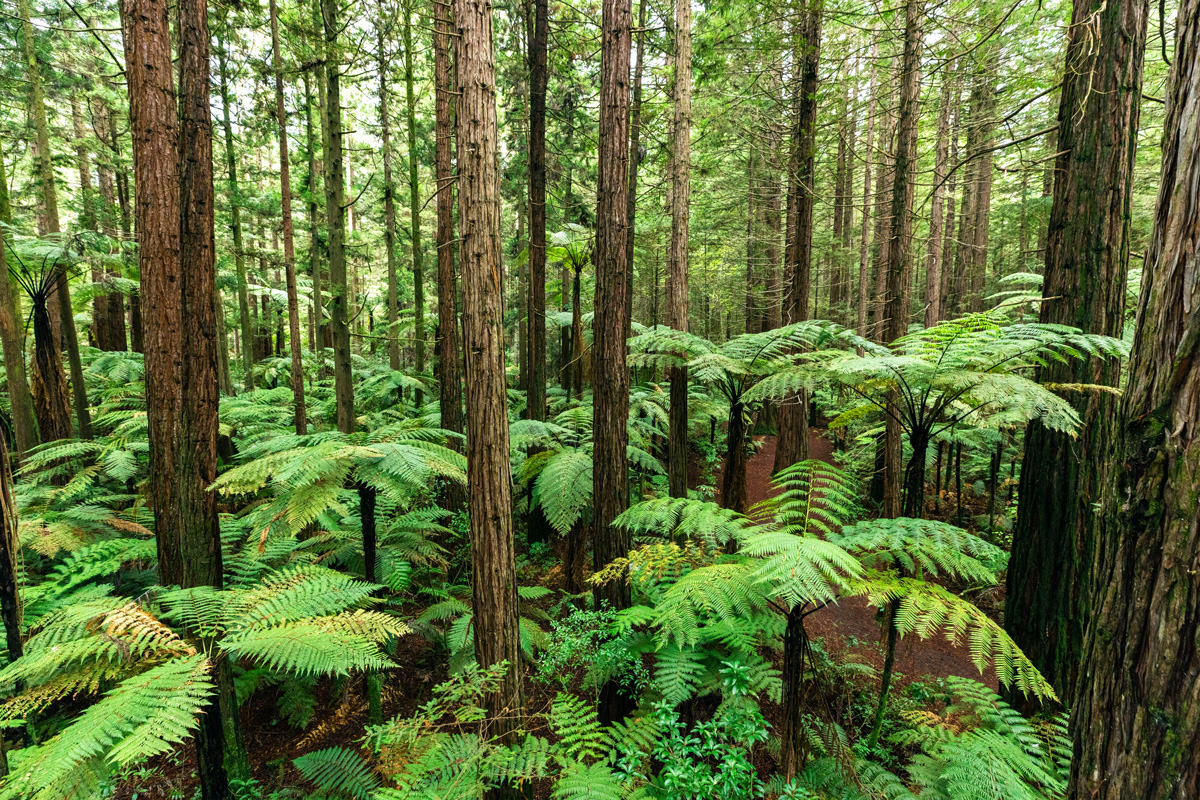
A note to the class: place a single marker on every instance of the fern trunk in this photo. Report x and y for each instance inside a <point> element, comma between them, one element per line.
<point>795,648</point>
<point>734,493</point>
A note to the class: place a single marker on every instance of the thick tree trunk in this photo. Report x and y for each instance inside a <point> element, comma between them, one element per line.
<point>792,443</point>
<point>154,127</point>
<point>289,247</point>
<point>899,262</point>
<point>611,326</point>
<point>449,377</point>
<point>494,585</point>
<point>677,277</point>
<point>335,208</point>
<point>1136,722</point>
<point>1087,259</point>
<point>24,423</point>
<point>795,650</point>
<point>235,214</point>
<point>220,752</point>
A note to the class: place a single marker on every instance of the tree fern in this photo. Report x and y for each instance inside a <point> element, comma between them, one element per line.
<point>141,717</point>
<point>926,608</point>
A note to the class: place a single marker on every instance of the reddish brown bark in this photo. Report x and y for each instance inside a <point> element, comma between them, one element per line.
<point>792,442</point>
<point>494,585</point>
<point>1136,722</point>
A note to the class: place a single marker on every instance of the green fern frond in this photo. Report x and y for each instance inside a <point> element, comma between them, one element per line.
<point>338,771</point>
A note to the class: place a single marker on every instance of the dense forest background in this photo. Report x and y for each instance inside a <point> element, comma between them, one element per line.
<point>616,399</point>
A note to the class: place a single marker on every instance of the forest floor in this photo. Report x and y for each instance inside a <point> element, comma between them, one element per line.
<point>848,631</point>
<point>851,627</point>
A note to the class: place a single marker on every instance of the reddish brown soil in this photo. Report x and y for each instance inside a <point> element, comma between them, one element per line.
<point>851,625</point>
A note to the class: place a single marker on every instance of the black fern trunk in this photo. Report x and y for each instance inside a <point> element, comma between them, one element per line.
<point>733,479</point>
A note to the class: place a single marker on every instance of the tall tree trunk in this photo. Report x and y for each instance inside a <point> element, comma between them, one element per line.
<point>1087,255</point>
<point>414,189</point>
<point>219,749</point>
<point>610,376</point>
<point>864,251</point>
<point>24,423</point>
<point>235,214</point>
<point>335,207</point>
<point>289,247</point>
<point>635,148</point>
<point>1136,722</point>
<point>317,331</point>
<point>538,76</point>
<point>933,267</point>
<point>154,127</point>
<point>792,442</point>
<point>677,278</point>
<point>494,585</point>
<point>899,262</point>
<point>450,376</point>
<point>772,316</point>
<point>389,207</point>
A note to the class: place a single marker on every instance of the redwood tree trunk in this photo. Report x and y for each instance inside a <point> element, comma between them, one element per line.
<point>155,129</point>
<point>899,248</point>
<point>20,400</point>
<point>610,375</point>
<point>538,75</point>
<point>494,584</point>
<point>1136,721</point>
<point>677,277</point>
<point>449,376</point>
<point>792,444</point>
<point>289,247</point>
<point>219,749</point>
<point>335,191</point>
<point>1087,259</point>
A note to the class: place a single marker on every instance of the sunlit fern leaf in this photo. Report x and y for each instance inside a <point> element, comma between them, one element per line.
<point>142,716</point>
<point>815,499</point>
<point>926,608</point>
<point>338,772</point>
<point>683,517</point>
<point>725,591</point>
<point>575,722</point>
<point>595,782</point>
<point>306,648</point>
<point>564,487</point>
<point>800,569</point>
<point>923,546</point>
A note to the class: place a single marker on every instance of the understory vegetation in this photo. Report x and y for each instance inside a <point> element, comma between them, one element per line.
<point>613,400</point>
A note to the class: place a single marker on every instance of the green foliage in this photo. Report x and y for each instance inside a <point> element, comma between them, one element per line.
<point>338,772</point>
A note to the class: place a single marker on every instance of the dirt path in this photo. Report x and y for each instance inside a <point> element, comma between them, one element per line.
<point>851,625</point>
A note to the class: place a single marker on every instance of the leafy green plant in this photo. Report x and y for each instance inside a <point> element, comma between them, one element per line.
<point>152,660</point>
<point>974,371</point>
